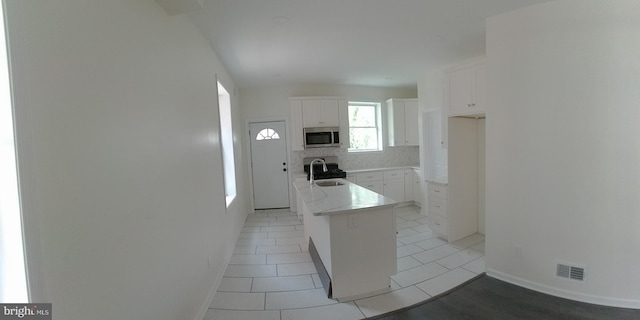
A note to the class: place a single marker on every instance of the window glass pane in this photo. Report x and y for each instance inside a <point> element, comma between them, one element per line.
<point>226,140</point>
<point>364,126</point>
<point>362,116</point>
<point>267,134</point>
<point>363,138</point>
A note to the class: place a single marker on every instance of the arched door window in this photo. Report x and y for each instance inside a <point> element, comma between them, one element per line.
<point>267,134</point>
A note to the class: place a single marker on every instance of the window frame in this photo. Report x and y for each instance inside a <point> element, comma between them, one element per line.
<point>226,144</point>
<point>377,106</point>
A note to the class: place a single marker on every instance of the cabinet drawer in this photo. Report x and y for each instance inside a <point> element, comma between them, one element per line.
<point>438,206</point>
<point>375,186</point>
<point>394,174</point>
<point>437,190</point>
<point>369,176</point>
<point>438,224</point>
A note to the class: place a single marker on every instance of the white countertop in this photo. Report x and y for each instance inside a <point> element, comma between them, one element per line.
<point>342,199</point>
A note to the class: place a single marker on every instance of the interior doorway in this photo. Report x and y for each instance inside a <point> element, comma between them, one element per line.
<point>269,164</point>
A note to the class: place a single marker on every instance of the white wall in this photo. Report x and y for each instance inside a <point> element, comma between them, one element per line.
<point>274,101</point>
<point>562,147</point>
<point>268,103</point>
<point>121,180</point>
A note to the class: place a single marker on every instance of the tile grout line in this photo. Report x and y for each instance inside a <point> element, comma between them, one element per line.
<point>355,303</point>
<point>421,225</point>
<point>442,266</point>
<point>423,263</point>
<point>428,295</point>
<point>264,307</point>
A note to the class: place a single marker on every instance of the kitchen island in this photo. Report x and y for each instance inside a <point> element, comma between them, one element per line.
<point>352,237</point>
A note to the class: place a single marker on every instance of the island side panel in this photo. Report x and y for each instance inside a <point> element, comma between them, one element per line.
<point>363,252</point>
<point>317,228</point>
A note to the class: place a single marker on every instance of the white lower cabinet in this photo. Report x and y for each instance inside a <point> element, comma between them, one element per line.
<point>438,224</point>
<point>402,185</point>
<point>416,182</point>
<point>371,180</point>
<point>438,206</point>
<point>394,184</point>
<point>394,189</point>
<point>408,184</point>
<point>437,190</point>
<point>375,186</point>
<point>412,186</point>
<point>437,212</point>
<point>447,218</point>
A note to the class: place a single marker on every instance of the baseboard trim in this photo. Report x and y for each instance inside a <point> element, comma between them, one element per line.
<point>325,279</point>
<point>202,311</point>
<point>562,293</point>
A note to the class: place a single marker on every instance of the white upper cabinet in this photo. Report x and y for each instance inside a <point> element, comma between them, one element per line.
<point>320,113</point>
<point>395,122</point>
<point>297,137</point>
<point>343,114</point>
<point>467,91</point>
<point>310,112</point>
<point>402,122</point>
<point>411,122</point>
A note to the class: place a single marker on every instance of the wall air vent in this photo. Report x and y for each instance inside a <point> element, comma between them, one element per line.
<point>570,272</point>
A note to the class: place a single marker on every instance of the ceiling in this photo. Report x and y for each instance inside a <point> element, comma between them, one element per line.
<point>387,43</point>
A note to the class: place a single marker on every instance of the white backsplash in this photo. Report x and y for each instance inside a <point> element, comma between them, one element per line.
<point>390,157</point>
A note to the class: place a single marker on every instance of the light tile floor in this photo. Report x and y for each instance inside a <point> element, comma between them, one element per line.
<point>271,276</point>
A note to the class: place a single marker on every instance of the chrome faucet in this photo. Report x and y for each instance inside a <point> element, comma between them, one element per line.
<point>324,169</point>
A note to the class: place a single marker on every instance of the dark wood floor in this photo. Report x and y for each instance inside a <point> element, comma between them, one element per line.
<point>489,298</point>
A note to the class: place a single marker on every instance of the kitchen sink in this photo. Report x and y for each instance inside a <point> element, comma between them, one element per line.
<point>329,183</point>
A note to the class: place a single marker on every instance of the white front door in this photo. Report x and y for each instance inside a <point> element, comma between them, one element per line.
<point>269,165</point>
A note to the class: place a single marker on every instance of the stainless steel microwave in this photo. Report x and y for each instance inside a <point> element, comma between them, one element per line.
<point>321,137</point>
